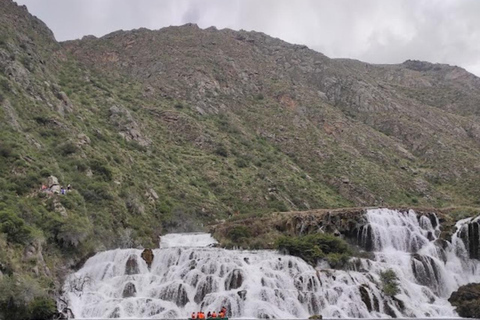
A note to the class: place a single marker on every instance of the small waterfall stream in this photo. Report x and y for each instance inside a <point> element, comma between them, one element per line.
<point>265,284</point>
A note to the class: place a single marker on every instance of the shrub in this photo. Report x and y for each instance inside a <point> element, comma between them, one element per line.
<point>8,151</point>
<point>317,246</point>
<point>221,151</point>
<point>101,169</point>
<point>26,183</point>
<point>259,97</point>
<point>74,232</point>
<point>44,173</point>
<point>14,227</point>
<point>23,299</point>
<point>238,233</point>
<point>389,282</point>
<point>241,163</point>
<point>96,192</point>
<point>67,148</point>
<point>41,308</point>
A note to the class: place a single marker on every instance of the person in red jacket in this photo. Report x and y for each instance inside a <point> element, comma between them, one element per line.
<point>193,316</point>
<point>214,314</point>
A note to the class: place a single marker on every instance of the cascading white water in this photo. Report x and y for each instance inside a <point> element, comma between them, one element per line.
<point>261,284</point>
<point>187,240</point>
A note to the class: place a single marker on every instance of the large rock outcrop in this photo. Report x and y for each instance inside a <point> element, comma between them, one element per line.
<point>467,300</point>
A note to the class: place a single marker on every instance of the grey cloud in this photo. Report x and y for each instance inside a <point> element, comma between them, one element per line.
<point>375,31</point>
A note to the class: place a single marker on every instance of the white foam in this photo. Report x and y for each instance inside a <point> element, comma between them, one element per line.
<point>173,240</point>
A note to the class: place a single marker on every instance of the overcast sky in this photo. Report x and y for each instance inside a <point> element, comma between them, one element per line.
<point>376,31</point>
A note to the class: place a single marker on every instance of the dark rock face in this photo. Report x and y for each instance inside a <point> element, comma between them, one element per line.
<point>131,267</point>
<point>467,300</point>
<point>234,280</point>
<point>242,294</point>
<point>148,256</point>
<point>175,293</point>
<point>365,298</point>
<point>129,290</point>
<point>470,235</point>
<point>365,237</point>
<point>204,287</point>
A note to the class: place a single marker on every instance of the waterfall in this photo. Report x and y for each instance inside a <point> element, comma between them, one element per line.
<point>187,276</point>
<point>187,240</point>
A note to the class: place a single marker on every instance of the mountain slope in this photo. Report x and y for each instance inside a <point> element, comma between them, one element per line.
<point>389,130</point>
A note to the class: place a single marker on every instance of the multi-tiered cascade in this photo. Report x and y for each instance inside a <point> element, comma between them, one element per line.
<point>260,284</point>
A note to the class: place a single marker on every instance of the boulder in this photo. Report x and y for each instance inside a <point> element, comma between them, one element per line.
<point>131,267</point>
<point>467,300</point>
<point>52,181</point>
<point>148,256</point>
<point>234,280</point>
<point>55,188</point>
<point>315,317</point>
<point>129,290</point>
<point>83,139</point>
<point>242,294</point>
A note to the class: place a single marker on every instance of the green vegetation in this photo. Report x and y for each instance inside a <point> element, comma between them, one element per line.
<point>239,233</point>
<point>314,247</point>
<point>389,281</point>
<point>14,227</point>
<point>24,299</point>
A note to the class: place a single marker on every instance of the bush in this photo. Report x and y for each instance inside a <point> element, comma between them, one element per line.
<point>67,148</point>
<point>26,183</point>
<point>389,282</point>
<point>14,227</point>
<point>241,163</point>
<point>221,151</point>
<point>96,192</point>
<point>41,308</point>
<point>8,151</point>
<point>238,233</point>
<point>24,299</point>
<point>314,247</point>
<point>101,169</point>
<point>74,232</point>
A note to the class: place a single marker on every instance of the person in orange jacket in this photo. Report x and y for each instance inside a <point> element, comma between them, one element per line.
<point>222,313</point>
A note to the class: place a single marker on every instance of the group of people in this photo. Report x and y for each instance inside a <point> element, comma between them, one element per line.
<point>55,189</point>
<point>210,315</point>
